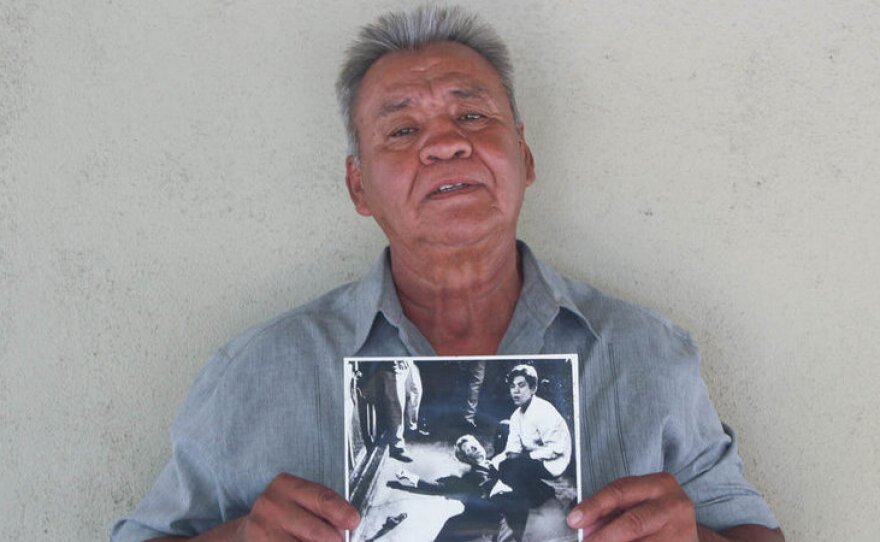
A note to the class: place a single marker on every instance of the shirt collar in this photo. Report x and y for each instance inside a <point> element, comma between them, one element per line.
<point>544,294</point>
<point>370,294</point>
<point>545,291</point>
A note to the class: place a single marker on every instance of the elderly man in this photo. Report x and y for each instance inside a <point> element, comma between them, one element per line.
<point>438,158</point>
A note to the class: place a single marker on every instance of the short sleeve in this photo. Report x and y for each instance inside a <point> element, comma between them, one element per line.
<point>701,452</point>
<point>187,497</point>
<point>707,465</point>
<point>182,502</point>
<point>668,423</point>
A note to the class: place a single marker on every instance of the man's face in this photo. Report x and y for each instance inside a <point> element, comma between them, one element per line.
<point>442,160</point>
<point>473,451</point>
<point>520,391</point>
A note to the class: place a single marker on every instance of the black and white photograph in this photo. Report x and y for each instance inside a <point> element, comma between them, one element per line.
<point>462,448</point>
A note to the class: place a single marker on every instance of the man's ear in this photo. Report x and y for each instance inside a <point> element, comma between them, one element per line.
<point>527,156</point>
<point>354,182</point>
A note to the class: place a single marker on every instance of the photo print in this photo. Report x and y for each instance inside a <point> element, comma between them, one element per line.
<point>462,448</point>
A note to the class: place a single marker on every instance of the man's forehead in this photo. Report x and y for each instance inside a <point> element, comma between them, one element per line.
<point>433,56</point>
<point>447,69</point>
<point>455,86</point>
<point>402,96</point>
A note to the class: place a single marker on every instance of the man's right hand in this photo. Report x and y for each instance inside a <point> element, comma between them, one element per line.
<point>294,509</point>
<point>406,478</point>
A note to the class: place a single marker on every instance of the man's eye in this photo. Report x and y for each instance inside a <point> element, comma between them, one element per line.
<point>471,116</point>
<point>402,132</point>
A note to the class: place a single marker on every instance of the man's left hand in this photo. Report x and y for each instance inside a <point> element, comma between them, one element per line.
<point>650,508</point>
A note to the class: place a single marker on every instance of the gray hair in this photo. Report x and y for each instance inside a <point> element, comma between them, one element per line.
<point>410,31</point>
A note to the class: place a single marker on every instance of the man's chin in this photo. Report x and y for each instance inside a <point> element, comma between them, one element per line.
<point>457,234</point>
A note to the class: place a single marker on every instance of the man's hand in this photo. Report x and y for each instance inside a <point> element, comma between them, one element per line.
<point>293,509</point>
<point>406,478</point>
<point>649,508</point>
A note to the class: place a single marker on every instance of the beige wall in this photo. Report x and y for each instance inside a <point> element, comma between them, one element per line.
<point>171,173</point>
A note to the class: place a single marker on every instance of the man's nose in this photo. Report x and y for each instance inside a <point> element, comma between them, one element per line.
<point>446,142</point>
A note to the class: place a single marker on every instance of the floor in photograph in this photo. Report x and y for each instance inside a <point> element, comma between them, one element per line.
<point>426,514</point>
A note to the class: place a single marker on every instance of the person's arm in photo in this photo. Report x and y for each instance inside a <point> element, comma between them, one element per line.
<point>556,440</point>
<point>514,441</point>
<point>441,486</point>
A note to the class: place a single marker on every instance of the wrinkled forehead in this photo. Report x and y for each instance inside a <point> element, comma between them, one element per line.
<point>442,69</point>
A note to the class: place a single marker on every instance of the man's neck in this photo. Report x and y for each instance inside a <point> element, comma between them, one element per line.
<point>461,299</point>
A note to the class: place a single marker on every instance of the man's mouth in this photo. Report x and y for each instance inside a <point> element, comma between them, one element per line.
<point>451,187</point>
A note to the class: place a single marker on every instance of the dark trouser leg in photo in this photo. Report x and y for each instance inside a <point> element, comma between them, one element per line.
<point>526,476</point>
<point>478,521</point>
<point>476,373</point>
<point>515,512</point>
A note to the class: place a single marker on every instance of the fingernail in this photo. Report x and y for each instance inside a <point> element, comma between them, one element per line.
<point>575,517</point>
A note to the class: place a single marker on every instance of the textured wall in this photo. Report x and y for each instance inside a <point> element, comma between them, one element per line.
<point>171,172</point>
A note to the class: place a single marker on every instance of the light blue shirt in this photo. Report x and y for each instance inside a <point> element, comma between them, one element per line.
<point>270,401</point>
